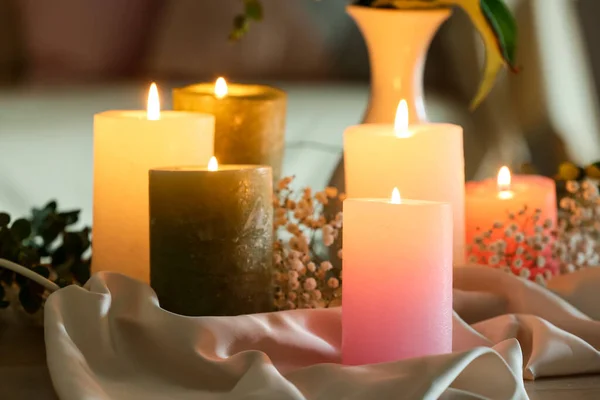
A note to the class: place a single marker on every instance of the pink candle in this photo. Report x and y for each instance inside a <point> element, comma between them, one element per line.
<point>492,200</point>
<point>397,292</point>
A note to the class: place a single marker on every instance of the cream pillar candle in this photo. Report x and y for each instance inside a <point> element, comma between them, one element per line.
<point>397,291</point>
<point>127,144</point>
<point>425,160</point>
<point>492,200</point>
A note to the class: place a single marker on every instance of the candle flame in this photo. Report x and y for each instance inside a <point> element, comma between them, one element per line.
<point>401,123</point>
<point>504,179</point>
<point>221,88</point>
<point>396,199</point>
<point>153,110</point>
<point>213,165</point>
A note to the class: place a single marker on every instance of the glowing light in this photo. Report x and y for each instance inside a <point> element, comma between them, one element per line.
<point>221,88</point>
<point>504,182</point>
<point>396,198</point>
<point>401,123</point>
<point>213,165</point>
<point>153,110</point>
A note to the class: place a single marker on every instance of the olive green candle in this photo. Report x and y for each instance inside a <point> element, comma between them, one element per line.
<point>211,239</point>
<point>249,120</point>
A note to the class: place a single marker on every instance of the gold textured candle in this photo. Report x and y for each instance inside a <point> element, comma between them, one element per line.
<point>249,120</point>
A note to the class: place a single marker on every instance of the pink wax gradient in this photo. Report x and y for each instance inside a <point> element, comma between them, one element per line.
<point>485,206</point>
<point>397,280</point>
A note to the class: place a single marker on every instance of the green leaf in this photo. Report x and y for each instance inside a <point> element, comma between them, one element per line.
<point>70,217</point>
<point>28,257</point>
<point>81,272</point>
<point>505,27</point>
<point>39,216</point>
<point>9,247</point>
<point>494,61</point>
<point>51,206</point>
<point>41,270</point>
<point>4,220</point>
<point>59,257</point>
<point>240,27</point>
<point>51,228</point>
<point>30,300</point>
<point>21,229</point>
<point>62,282</point>
<point>85,235</point>
<point>76,243</point>
<point>254,10</point>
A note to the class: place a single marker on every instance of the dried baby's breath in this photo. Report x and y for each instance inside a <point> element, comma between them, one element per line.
<point>306,237</point>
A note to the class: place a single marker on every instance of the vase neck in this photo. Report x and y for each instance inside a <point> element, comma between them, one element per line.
<point>398,41</point>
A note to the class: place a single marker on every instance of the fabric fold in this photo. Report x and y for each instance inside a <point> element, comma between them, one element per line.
<point>111,340</point>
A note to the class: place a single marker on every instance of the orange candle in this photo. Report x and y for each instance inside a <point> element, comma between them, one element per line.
<point>425,160</point>
<point>127,144</point>
<point>492,200</point>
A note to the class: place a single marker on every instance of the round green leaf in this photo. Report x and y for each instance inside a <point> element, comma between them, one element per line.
<point>41,270</point>
<point>4,219</point>
<point>21,229</point>
<point>30,300</point>
<point>254,10</point>
<point>81,272</point>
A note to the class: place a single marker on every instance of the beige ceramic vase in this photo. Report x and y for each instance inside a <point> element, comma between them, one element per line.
<point>397,41</point>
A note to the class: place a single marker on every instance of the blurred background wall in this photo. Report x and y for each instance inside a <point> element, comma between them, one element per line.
<point>545,114</point>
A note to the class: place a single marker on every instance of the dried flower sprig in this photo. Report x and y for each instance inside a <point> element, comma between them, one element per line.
<point>578,233</point>
<point>522,246</point>
<point>305,236</point>
<point>578,243</point>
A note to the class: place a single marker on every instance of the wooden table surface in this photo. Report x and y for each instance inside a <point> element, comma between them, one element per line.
<point>24,376</point>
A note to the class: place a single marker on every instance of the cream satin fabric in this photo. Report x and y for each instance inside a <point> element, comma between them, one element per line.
<point>113,341</point>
